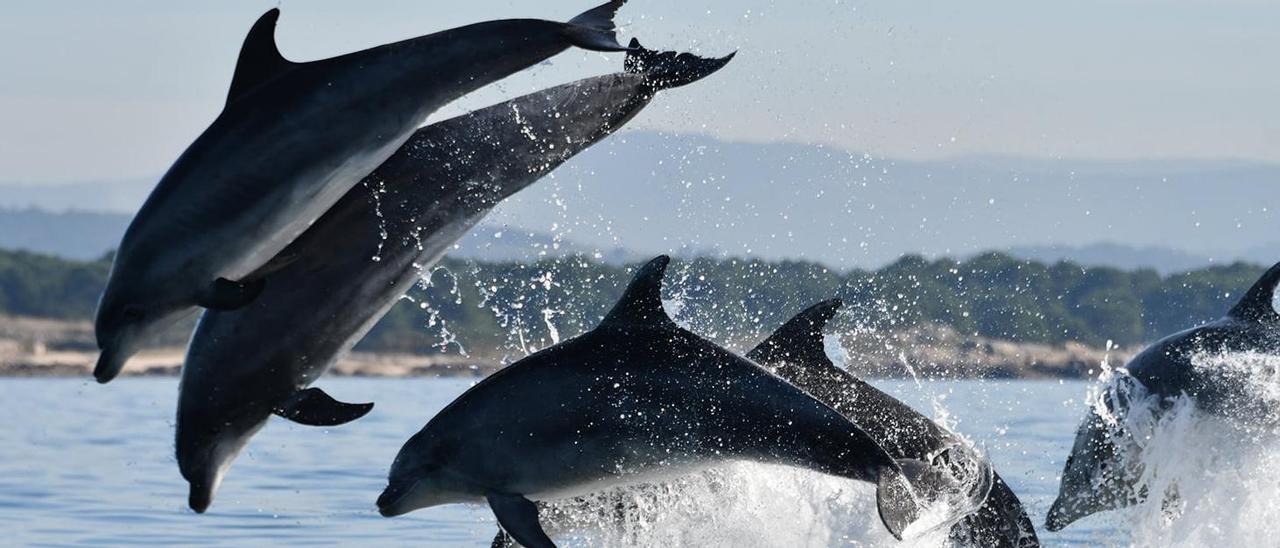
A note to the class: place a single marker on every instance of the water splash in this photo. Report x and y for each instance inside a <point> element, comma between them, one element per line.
<point>739,504</point>
<point>1207,478</point>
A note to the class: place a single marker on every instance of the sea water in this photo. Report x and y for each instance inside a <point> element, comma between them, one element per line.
<point>90,464</point>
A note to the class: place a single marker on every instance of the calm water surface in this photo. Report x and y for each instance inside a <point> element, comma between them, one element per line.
<point>88,464</point>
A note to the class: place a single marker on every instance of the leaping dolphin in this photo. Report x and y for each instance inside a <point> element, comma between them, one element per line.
<point>1102,471</point>
<point>796,352</point>
<point>636,399</point>
<point>292,139</point>
<point>246,364</point>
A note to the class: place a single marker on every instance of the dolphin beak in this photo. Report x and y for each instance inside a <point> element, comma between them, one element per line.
<point>204,476</point>
<point>202,490</point>
<point>110,362</point>
<point>388,501</point>
<point>200,497</point>
<point>391,503</point>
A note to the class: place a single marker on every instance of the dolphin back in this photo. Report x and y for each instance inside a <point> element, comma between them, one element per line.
<point>796,352</point>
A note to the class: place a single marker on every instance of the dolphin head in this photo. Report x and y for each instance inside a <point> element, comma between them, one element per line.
<point>124,323</point>
<point>203,462</point>
<point>419,478</point>
<point>207,443</point>
<point>1099,474</point>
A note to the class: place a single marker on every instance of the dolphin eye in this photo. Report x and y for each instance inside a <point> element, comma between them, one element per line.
<point>133,312</point>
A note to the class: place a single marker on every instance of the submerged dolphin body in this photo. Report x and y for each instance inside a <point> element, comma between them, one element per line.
<point>633,400</point>
<point>292,139</point>
<point>243,365</point>
<point>796,352</point>
<point>1102,471</point>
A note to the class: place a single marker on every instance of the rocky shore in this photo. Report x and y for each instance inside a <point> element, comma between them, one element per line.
<point>47,348</point>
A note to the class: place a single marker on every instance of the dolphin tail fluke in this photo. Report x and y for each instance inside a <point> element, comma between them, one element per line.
<point>595,30</point>
<point>896,501</point>
<point>669,69</point>
<point>313,407</point>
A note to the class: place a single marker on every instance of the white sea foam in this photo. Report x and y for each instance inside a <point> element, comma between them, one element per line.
<point>1210,480</point>
<point>740,504</point>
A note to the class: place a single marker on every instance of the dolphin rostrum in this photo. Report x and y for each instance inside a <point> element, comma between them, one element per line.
<point>995,517</point>
<point>246,364</point>
<point>1103,470</point>
<point>292,139</point>
<point>636,399</point>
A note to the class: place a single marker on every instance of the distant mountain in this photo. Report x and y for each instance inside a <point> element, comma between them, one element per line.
<point>100,196</point>
<point>648,192</point>
<point>87,235</point>
<point>1267,254</point>
<point>494,243</point>
<point>1161,259</point>
<point>72,234</point>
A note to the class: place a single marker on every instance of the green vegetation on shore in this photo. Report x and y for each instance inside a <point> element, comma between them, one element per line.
<point>504,307</point>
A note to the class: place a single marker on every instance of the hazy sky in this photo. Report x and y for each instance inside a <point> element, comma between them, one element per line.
<point>115,90</point>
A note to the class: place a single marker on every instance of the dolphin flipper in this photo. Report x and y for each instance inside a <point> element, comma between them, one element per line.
<point>502,540</point>
<point>519,518</point>
<point>224,294</point>
<point>313,407</point>
<point>594,29</point>
<point>896,502</point>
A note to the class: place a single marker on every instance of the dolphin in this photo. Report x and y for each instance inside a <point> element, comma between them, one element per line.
<point>292,139</point>
<point>244,365</point>
<point>634,400</point>
<point>796,353</point>
<point>1102,471</point>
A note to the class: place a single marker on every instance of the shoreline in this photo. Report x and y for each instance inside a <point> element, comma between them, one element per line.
<point>168,363</point>
<point>31,347</point>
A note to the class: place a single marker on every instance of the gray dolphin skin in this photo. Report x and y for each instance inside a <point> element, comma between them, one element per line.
<point>636,399</point>
<point>246,364</point>
<point>1101,472</point>
<point>796,353</point>
<point>292,139</point>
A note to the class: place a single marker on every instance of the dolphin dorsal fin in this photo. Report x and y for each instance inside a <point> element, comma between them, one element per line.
<point>641,303</point>
<point>799,341</point>
<point>260,59</point>
<point>1255,305</point>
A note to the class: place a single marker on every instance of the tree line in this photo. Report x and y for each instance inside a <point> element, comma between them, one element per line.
<point>511,308</point>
